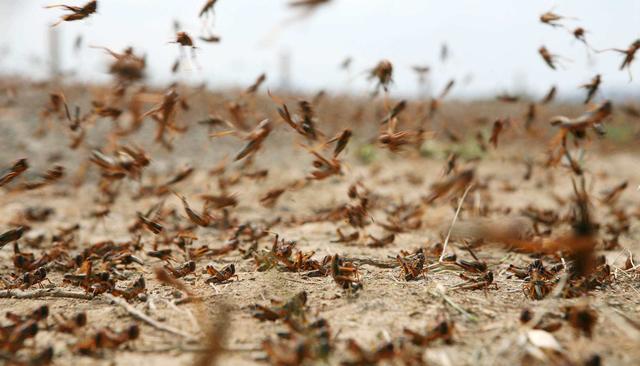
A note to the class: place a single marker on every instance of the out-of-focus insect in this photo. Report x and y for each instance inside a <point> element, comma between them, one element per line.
<point>42,358</point>
<point>549,58</point>
<point>127,66</point>
<point>361,356</point>
<point>127,161</point>
<point>421,71</point>
<point>483,281</point>
<point>149,224</point>
<point>256,84</point>
<point>77,12</point>
<point>270,198</point>
<point>221,276</point>
<point>306,127</point>
<point>219,201</point>
<point>530,116</point>
<point>182,270</point>
<point>452,185</point>
<point>395,140</point>
<point>69,325</point>
<point>381,242</point>
<point>207,8</point>
<point>40,313</point>
<point>612,194</point>
<point>435,103</point>
<point>308,4</point>
<point>19,167</point>
<point>213,121</point>
<point>444,52</point>
<point>578,126</point>
<point>255,138</point>
<point>295,307</point>
<point>29,279</point>
<point>15,339</point>
<point>165,115</point>
<point>11,235</point>
<point>324,167</point>
<point>395,111</point>
<point>507,98</point>
<point>305,3</point>
<point>184,39</point>
<point>348,238</point>
<point>212,38</point>
<point>106,338</point>
<point>383,73</point>
<point>582,318</point>
<point>342,140</point>
<point>629,54</point>
<point>50,176</point>
<point>165,278</point>
<point>443,330</point>
<point>498,125</point>
<point>77,43</point>
<point>182,174</point>
<point>551,94</point>
<point>592,88</point>
<point>176,66</point>
<point>579,34</point>
<point>318,97</point>
<point>203,219</point>
<point>162,254</point>
<point>552,19</point>
<point>346,63</point>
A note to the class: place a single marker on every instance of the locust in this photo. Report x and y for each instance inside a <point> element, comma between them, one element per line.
<point>207,8</point>
<point>105,338</point>
<point>443,330</point>
<point>270,198</point>
<point>383,74</point>
<point>412,268</point>
<point>498,125</point>
<point>451,185</point>
<point>345,274</point>
<point>18,167</point>
<point>294,307</point>
<point>592,88</point>
<point>165,115</point>
<point>255,138</point>
<point>578,126</point>
<point>11,236</point>
<point>552,19</point>
<point>182,270</point>
<point>77,12</point>
<point>551,94</point>
<point>549,58</point>
<point>203,219</point>
<point>221,276</point>
<point>69,325</point>
<point>256,84</point>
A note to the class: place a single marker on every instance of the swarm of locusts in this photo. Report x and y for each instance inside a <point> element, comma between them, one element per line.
<point>290,247</point>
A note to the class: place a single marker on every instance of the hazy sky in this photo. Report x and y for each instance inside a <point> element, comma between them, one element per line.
<point>493,44</point>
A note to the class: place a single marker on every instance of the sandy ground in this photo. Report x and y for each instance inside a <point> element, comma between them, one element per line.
<point>487,326</point>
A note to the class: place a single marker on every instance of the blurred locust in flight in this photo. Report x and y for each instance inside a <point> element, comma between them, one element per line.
<point>77,12</point>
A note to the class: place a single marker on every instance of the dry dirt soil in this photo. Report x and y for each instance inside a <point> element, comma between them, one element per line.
<point>487,326</point>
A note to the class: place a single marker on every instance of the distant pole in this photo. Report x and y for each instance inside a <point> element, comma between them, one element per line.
<point>284,65</point>
<point>54,53</point>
